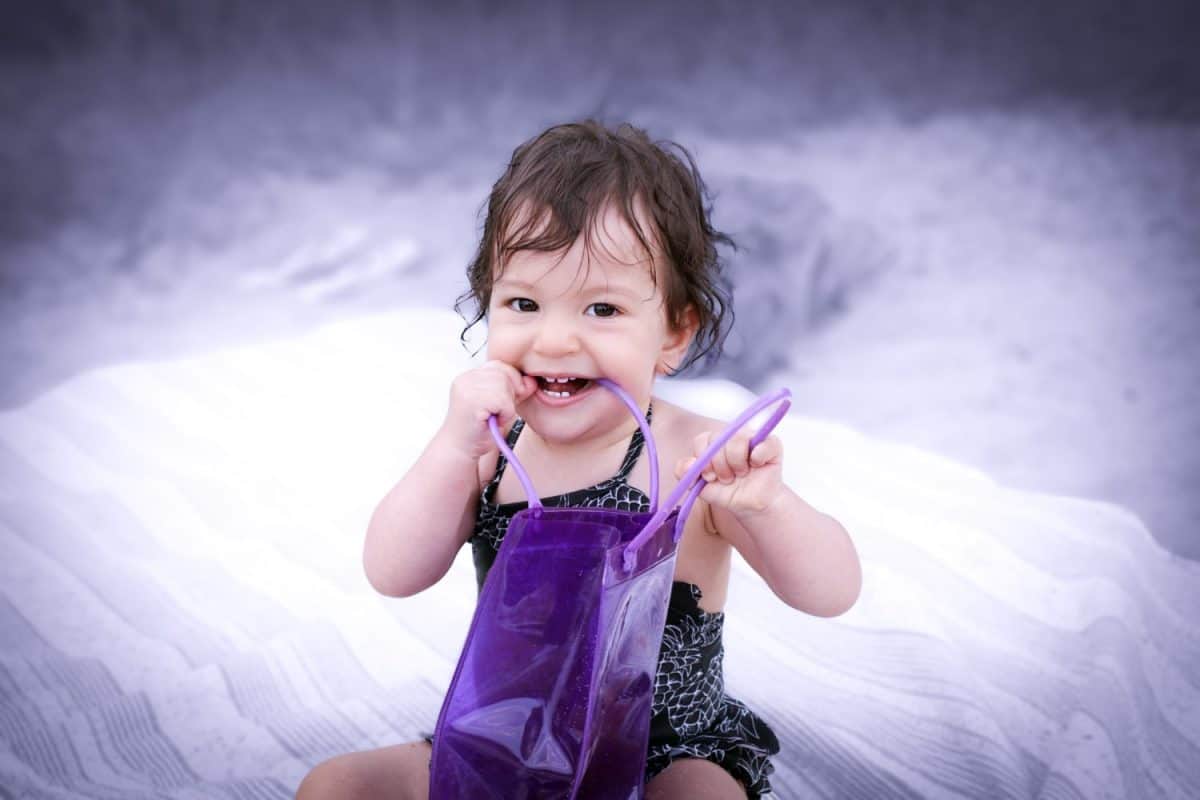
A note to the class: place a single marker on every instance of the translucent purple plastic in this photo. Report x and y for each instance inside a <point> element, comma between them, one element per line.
<point>553,691</point>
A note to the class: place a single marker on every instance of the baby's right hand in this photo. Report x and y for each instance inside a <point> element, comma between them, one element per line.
<point>494,388</point>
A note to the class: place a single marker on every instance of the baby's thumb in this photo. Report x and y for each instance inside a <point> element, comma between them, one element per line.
<point>682,465</point>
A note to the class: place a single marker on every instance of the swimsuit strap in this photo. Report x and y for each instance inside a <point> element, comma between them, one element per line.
<point>634,450</point>
<point>631,455</point>
<point>489,491</point>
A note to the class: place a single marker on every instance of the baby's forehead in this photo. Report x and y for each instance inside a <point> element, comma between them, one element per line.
<point>614,232</point>
<point>625,228</point>
<point>581,275</point>
<point>607,251</point>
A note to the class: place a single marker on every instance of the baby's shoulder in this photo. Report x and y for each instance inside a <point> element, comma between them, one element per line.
<point>676,427</point>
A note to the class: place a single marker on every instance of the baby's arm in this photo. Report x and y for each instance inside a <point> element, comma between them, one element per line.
<point>805,556</point>
<point>419,526</point>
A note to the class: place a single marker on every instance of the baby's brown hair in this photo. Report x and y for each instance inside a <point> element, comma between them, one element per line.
<point>566,175</point>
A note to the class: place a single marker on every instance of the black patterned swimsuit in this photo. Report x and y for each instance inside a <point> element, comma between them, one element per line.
<point>692,715</point>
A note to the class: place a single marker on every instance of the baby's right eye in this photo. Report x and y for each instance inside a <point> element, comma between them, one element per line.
<point>523,304</point>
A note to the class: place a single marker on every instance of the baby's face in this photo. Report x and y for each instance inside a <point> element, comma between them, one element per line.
<point>583,319</point>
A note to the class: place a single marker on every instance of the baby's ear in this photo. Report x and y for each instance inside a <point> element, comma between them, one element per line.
<point>679,338</point>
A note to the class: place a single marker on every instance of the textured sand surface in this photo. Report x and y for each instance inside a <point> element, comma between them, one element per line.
<point>184,612</point>
<point>982,216</point>
<point>1041,315</point>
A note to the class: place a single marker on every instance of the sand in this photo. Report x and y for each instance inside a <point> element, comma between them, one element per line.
<point>1040,318</point>
<point>1029,307</point>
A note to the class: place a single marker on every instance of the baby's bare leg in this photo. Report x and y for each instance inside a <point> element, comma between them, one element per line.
<point>400,772</point>
<point>694,779</point>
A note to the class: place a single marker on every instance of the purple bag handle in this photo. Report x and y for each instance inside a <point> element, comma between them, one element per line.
<point>523,476</point>
<point>691,478</point>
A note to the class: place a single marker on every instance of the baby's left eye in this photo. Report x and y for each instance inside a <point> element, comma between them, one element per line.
<point>603,310</point>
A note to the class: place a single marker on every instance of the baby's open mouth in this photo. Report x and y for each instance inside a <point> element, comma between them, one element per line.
<point>563,386</point>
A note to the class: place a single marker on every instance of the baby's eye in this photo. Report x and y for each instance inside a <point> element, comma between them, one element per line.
<point>521,304</point>
<point>603,310</point>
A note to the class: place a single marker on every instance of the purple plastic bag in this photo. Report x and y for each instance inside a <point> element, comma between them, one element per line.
<point>553,690</point>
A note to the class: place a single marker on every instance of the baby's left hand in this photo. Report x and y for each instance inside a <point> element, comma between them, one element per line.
<point>739,480</point>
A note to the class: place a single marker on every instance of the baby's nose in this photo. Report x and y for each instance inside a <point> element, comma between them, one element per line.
<point>555,338</point>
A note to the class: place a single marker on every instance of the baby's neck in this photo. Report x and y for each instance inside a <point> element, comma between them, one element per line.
<point>586,447</point>
<point>558,467</point>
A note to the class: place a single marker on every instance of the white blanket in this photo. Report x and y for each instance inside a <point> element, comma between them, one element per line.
<point>184,613</point>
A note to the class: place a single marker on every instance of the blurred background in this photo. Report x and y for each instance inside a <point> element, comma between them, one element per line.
<point>969,226</point>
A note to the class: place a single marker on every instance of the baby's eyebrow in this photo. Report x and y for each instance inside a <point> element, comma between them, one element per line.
<point>512,283</point>
<point>610,289</point>
<point>595,288</point>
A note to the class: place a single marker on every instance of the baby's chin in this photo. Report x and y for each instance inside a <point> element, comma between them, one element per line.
<point>582,418</point>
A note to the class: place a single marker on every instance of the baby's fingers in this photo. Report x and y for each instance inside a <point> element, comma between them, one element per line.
<point>526,388</point>
<point>737,454</point>
<point>699,445</point>
<point>683,465</point>
<point>720,466</point>
<point>522,385</point>
<point>768,451</point>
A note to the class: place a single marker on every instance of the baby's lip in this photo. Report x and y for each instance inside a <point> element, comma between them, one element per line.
<point>558,375</point>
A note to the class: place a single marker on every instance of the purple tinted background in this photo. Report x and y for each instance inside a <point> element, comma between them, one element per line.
<point>970,226</point>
